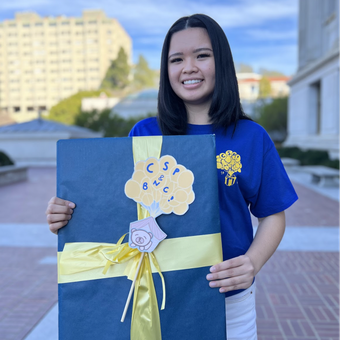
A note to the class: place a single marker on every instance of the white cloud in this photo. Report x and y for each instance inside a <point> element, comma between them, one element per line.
<point>157,16</point>
<point>20,4</point>
<point>147,21</point>
<point>265,34</point>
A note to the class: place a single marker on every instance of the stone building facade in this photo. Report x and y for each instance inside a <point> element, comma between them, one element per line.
<point>313,117</point>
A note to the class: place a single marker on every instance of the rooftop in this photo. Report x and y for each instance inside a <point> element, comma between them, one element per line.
<point>137,104</point>
<point>43,126</point>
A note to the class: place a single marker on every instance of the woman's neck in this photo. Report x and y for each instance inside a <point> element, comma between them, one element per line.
<point>198,114</point>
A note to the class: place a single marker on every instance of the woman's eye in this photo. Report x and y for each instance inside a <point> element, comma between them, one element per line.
<point>205,55</point>
<point>175,60</point>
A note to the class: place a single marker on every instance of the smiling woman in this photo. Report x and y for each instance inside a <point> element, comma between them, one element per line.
<point>198,94</point>
<point>192,72</point>
<point>198,47</point>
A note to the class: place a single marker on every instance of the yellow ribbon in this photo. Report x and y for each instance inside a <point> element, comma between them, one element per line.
<point>84,261</point>
<point>88,261</point>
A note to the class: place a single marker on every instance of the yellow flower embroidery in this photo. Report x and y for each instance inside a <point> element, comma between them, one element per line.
<point>229,163</point>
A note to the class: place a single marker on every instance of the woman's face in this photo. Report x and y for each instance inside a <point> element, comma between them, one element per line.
<point>191,66</point>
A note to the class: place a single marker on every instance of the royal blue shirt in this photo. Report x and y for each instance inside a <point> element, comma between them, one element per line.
<point>250,177</point>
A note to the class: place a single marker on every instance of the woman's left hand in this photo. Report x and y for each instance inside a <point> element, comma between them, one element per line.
<point>239,272</point>
<point>233,274</point>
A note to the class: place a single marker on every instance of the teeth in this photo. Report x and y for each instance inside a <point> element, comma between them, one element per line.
<point>187,82</point>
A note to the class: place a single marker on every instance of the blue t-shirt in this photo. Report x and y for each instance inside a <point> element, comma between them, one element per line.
<point>250,176</point>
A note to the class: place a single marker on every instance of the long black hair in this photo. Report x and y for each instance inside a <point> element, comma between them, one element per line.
<point>225,107</point>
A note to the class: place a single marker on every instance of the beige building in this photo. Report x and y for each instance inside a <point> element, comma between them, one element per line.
<point>249,86</point>
<point>43,60</point>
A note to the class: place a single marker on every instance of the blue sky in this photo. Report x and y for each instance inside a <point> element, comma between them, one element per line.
<point>261,33</point>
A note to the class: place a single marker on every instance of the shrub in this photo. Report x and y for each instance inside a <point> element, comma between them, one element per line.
<point>308,157</point>
<point>5,160</point>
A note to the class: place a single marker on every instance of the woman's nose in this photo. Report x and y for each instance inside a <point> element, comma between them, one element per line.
<point>190,66</point>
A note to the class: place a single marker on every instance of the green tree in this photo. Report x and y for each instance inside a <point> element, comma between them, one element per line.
<point>244,68</point>
<point>67,109</point>
<point>270,73</point>
<point>265,89</point>
<point>273,116</point>
<point>111,124</point>
<point>144,77</point>
<point>117,75</point>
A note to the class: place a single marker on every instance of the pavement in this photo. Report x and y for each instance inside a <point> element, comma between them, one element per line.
<point>297,290</point>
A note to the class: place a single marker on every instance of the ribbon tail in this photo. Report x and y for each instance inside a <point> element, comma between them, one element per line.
<point>155,263</point>
<point>145,322</point>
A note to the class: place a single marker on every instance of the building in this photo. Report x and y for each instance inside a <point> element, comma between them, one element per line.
<point>249,89</point>
<point>139,104</point>
<point>33,143</point>
<point>313,112</point>
<point>44,60</point>
<point>249,86</point>
<point>100,103</point>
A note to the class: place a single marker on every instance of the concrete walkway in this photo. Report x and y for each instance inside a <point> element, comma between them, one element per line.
<point>297,290</point>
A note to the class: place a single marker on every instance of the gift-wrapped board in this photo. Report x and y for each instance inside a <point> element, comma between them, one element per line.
<point>100,176</point>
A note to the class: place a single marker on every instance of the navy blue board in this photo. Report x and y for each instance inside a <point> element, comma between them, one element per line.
<point>92,173</point>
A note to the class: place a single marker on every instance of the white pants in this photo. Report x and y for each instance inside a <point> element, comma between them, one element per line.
<point>241,315</point>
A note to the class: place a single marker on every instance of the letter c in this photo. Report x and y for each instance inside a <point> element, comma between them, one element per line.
<point>147,168</point>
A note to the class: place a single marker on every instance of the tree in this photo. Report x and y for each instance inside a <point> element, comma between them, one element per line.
<point>265,89</point>
<point>117,75</point>
<point>67,109</point>
<point>271,73</point>
<point>244,68</point>
<point>111,124</point>
<point>144,77</point>
<point>273,117</point>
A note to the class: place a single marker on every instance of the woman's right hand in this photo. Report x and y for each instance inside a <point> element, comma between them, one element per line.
<point>58,212</point>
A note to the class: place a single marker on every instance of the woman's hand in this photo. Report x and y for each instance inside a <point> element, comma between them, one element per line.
<point>233,274</point>
<point>58,212</point>
<point>239,272</point>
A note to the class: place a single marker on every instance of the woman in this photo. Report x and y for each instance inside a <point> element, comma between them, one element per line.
<point>198,94</point>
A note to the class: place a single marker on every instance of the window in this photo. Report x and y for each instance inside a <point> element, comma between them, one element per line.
<point>16,108</point>
<point>53,24</point>
<point>65,23</point>
<point>38,24</point>
<point>315,108</point>
<point>30,108</point>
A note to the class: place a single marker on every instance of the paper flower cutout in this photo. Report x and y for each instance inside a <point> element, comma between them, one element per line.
<point>161,186</point>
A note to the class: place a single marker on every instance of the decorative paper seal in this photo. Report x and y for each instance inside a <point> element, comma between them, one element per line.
<point>161,186</point>
<point>145,235</point>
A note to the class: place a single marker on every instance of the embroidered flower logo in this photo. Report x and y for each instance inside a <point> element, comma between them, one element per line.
<point>229,163</point>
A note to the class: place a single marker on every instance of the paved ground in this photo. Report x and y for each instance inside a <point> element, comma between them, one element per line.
<point>297,290</point>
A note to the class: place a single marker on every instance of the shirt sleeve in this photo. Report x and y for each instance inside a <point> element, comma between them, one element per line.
<point>276,192</point>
